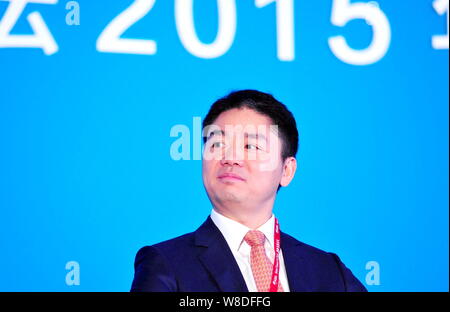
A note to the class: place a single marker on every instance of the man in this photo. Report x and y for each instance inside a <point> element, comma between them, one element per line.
<point>251,140</point>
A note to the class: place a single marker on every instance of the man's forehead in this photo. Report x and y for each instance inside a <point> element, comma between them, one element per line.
<point>242,113</point>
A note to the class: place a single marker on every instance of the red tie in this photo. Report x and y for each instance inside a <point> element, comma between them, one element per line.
<point>260,263</point>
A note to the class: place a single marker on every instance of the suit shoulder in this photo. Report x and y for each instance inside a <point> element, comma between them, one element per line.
<point>325,266</point>
<point>171,246</point>
<point>310,253</point>
<point>306,248</point>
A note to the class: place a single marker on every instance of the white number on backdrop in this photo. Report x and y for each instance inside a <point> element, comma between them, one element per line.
<point>440,41</point>
<point>342,12</point>
<point>285,27</point>
<point>110,41</point>
<point>42,38</point>
<point>184,19</point>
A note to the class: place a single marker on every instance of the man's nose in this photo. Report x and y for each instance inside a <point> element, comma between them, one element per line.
<point>232,156</point>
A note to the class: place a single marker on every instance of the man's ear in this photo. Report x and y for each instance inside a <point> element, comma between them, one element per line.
<point>289,168</point>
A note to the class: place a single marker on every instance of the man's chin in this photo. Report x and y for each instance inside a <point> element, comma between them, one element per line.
<point>235,196</point>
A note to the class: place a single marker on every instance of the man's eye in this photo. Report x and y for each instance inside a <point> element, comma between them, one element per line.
<point>251,147</point>
<point>217,144</point>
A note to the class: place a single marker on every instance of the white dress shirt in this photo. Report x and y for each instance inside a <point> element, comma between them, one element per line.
<point>234,233</point>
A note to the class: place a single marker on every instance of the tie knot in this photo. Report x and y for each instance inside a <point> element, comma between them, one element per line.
<point>255,238</point>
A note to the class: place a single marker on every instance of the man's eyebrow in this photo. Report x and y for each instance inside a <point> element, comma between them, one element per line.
<point>215,132</point>
<point>246,135</point>
<point>255,136</point>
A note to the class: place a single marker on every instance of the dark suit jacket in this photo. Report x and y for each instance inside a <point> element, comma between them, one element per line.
<point>202,262</point>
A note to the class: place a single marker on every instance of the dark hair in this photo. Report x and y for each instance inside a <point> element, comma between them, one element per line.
<point>265,104</point>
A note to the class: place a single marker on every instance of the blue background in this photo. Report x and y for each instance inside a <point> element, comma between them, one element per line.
<point>85,167</point>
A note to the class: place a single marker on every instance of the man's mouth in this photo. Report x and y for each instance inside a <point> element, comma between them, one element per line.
<point>230,177</point>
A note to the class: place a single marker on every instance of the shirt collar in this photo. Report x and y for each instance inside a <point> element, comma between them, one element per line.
<point>234,231</point>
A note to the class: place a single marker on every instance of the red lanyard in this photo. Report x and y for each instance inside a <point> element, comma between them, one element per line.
<point>276,262</point>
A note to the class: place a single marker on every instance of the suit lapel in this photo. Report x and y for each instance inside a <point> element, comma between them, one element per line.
<point>296,267</point>
<point>218,259</point>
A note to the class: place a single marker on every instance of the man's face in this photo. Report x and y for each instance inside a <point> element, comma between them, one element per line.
<point>242,162</point>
